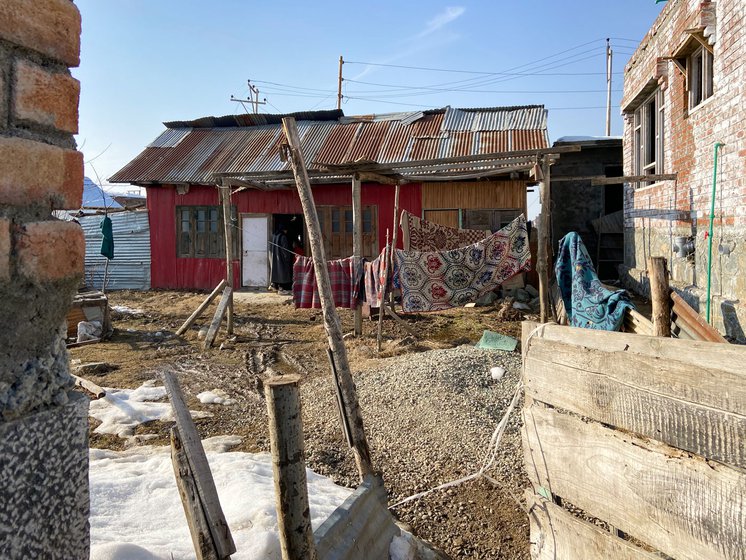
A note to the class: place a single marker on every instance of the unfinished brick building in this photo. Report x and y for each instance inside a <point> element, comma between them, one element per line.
<point>683,93</point>
<point>43,424</point>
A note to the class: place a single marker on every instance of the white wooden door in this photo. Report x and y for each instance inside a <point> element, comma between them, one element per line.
<point>255,255</point>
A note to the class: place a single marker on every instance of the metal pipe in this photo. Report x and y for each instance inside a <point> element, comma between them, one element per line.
<point>718,145</point>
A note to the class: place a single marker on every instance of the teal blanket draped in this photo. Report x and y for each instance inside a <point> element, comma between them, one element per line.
<point>107,243</point>
<point>588,303</point>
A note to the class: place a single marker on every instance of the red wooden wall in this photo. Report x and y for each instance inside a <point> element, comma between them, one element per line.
<point>168,271</point>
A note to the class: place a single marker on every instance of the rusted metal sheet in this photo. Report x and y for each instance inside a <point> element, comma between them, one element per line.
<point>192,151</point>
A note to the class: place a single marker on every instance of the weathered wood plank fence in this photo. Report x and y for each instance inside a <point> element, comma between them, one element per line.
<point>645,434</point>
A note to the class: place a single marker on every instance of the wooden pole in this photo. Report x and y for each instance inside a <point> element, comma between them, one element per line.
<point>289,468</point>
<point>197,460</point>
<point>542,264</point>
<point>202,306</point>
<point>199,529</point>
<point>660,296</point>
<point>339,83</point>
<point>220,312</point>
<point>357,243</point>
<point>225,198</point>
<point>395,238</point>
<point>332,323</point>
<point>382,304</point>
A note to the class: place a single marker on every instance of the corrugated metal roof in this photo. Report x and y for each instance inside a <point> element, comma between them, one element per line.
<point>192,151</point>
<point>130,267</point>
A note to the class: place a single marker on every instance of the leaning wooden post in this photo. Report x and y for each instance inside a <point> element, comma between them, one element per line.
<point>202,306</point>
<point>382,303</point>
<point>289,468</point>
<point>332,323</point>
<point>357,242</point>
<point>225,199</point>
<point>542,264</point>
<point>660,296</point>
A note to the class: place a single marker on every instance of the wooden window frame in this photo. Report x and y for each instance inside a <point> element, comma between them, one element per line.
<point>214,240</point>
<point>648,135</point>
<point>699,76</point>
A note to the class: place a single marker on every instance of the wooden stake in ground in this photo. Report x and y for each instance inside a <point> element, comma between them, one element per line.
<point>223,306</point>
<point>289,468</point>
<point>201,309</point>
<point>381,311</point>
<point>660,296</point>
<point>200,470</point>
<point>202,541</point>
<point>357,243</point>
<point>395,237</point>
<point>332,324</point>
<point>225,200</point>
<point>542,264</point>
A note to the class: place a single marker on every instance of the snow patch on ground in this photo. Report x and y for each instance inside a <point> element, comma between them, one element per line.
<point>122,410</point>
<point>124,310</point>
<point>136,512</point>
<point>216,396</point>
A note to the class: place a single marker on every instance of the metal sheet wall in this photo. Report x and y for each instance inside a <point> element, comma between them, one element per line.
<point>168,271</point>
<point>130,267</point>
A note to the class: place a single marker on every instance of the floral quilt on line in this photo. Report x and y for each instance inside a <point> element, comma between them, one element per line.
<point>422,235</point>
<point>432,281</point>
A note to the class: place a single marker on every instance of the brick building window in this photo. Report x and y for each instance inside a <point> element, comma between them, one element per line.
<point>200,232</point>
<point>699,76</point>
<point>648,135</point>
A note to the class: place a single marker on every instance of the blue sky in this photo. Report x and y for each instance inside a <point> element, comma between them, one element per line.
<point>144,62</point>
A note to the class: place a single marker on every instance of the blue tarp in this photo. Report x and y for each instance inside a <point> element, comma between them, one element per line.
<point>588,303</point>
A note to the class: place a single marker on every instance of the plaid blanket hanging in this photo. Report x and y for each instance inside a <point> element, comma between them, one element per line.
<point>375,278</point>
<point>344,278</point>
<point>422,235</point>
<point>433,281</point>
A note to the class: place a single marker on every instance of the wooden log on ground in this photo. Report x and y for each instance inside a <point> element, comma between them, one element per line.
<point>332,323</point>
<point>89,386</point>
<point>223,306</point>
<point>402,322</point>
<point>204,546</point>
<point>202,306</point>
<point>200,468</point>
<point>659,296</point>
<point>289,468</point>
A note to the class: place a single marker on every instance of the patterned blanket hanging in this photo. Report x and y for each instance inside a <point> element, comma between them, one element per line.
<point>422,235</point>
<point>344,277</point>
<point>432,281</point>
<point>588,303</point>
<point>375,278</point>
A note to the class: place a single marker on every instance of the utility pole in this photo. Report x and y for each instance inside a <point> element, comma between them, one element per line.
<point>609,57</point>
<point>253,98</point>
<point>339,83</point>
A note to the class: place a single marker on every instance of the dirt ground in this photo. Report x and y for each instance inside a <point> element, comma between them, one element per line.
<point>475,520</point>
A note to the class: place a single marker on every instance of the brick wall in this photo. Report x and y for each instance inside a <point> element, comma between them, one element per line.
<point>654,215</point>
<point>41,259</point>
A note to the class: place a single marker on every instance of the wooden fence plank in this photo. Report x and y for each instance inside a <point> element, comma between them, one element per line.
<point>726,357</point>
<point>202,306</point>
<point>623,391</point>
<point>195,454</point>
<point>681,505</point>
<point>558,535</point>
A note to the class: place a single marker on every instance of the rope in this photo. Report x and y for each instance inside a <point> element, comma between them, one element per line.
<point>493,446</point>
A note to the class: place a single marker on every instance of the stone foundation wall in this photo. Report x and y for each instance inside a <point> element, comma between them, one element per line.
<point>43,424</point>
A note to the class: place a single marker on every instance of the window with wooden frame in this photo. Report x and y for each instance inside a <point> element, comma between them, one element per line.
<point>200,232</point>
<point>491,219</point>
<point>648,138</point>
<point>699,77</point>
<point>337,228</point>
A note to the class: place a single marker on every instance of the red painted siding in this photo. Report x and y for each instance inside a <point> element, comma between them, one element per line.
<point>168,271</point>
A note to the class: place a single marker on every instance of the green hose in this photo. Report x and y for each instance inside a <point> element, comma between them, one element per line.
<point>718,145</point>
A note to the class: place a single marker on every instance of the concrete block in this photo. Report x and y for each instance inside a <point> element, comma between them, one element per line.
<point>36,173</point>
<point>50,251</point>
<point>45,496</point>
<point>50,27</point>
<point>45,97</point>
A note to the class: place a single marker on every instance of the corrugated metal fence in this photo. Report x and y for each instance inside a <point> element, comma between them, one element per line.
<point>130,267</point>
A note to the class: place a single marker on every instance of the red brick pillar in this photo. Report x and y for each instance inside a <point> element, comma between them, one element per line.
<point>43,424</point>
